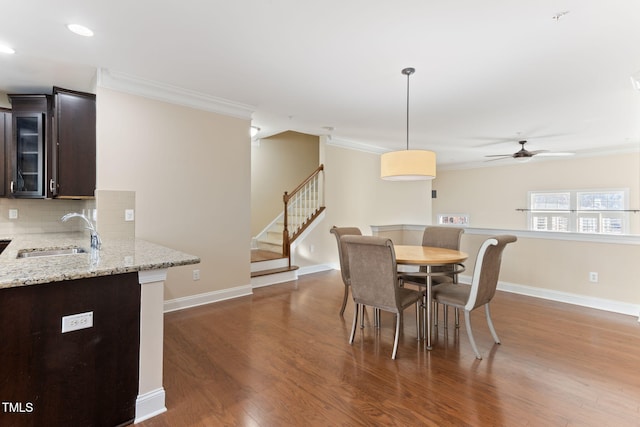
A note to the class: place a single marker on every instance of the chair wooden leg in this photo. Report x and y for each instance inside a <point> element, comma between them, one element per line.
<point>395,341</point>
<point>467,321</point>
<point>490,323</point>
<point>344,299</point>
<point>457,317</point>
<point>355,323</point>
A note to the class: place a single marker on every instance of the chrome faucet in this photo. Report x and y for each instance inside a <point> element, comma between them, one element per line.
<point>96,242</point>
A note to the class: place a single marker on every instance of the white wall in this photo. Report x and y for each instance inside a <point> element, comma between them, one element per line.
<point>357,196</point>
<point>491,195</point>
<point>550,266</point>
<point>190,170</point>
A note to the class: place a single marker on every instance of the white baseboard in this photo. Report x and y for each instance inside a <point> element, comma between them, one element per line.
<point>569,298</point>
<point>314,269</point>
<point>274,279</point>
<point>206,298</point>
<point>150,404</point>
<point>239,291</point>
<point>575,299</point>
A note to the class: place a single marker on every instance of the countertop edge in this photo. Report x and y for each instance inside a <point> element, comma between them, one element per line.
<point>115,257</point>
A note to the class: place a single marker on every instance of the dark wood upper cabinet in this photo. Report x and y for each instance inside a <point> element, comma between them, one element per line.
<point>5,137</point>
<point>51,150</point>
<point>73,151</point>
<point>27,148</point>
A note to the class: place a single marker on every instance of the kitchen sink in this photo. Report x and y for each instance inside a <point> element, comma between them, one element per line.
<point>33,253</point>
<point>4,244</point>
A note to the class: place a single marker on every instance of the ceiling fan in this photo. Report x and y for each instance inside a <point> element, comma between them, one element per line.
<point>524,155</point>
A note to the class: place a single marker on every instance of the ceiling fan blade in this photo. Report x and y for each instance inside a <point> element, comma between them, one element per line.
<point>500,155</point>
<point>498,158</point>
<point>556,154</point>
<point>534,152</point>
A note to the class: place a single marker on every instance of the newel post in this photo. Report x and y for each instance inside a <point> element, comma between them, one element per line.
<point>285,233</point>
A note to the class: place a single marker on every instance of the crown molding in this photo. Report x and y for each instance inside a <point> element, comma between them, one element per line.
<point>354,145</point>
<point>127,83</point>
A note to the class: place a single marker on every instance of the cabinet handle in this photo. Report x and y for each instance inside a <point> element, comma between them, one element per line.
<point>52,185</point>
<point>11,187</point>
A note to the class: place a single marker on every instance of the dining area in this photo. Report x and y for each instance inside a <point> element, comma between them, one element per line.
<point>282,357</point>
<point>390,277</point>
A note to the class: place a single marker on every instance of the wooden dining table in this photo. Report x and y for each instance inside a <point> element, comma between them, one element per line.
<point>427,256</point>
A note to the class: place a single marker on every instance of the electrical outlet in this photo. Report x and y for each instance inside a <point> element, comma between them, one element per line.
<point>78,321</point>
<point>13,213</point>
<point>196,274</point>
<point>593,277</point>
<point>129,215</point>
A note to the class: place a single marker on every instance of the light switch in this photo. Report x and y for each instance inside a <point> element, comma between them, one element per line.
<point>129,215</point>
<point>13,213</point>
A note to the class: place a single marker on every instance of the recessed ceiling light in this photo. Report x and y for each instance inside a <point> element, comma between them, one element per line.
<point>81,30</point>
<point>6,49</point>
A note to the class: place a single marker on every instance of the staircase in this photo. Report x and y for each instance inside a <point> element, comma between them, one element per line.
<point>270,239</point>
<point>270,269</point>
<point>271,248</point>
<point>268,264</point>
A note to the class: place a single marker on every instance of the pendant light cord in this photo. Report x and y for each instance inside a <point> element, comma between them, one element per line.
<point>408,72</point>
<point>408,111</point>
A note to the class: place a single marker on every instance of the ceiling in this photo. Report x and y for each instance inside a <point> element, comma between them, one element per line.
<point>487,73</point>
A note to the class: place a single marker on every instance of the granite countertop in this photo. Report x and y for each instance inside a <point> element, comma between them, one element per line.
<point>114,257</point>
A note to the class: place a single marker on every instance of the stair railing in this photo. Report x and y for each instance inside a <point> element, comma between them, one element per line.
<point>301,207</point>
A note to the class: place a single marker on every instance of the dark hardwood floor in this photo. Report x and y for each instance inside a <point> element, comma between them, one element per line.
<point>281,358</point>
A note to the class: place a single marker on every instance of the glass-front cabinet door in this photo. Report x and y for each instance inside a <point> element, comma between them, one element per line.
<point>28,155</point>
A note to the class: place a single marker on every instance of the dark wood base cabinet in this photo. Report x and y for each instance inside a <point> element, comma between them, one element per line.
<point>85,377</point>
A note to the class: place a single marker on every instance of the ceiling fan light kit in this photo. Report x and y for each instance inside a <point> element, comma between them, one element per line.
<point>408,165</point>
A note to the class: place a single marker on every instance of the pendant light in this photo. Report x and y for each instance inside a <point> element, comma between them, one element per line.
<point>408,165</point>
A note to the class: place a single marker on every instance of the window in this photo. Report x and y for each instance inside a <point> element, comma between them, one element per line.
<point>581,211</point>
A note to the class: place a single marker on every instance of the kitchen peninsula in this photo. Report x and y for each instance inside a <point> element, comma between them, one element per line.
<point>82,332</point>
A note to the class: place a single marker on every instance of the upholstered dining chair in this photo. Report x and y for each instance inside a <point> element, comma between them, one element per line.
<point>344,261</point>
<point>439,237</point>
<point>375,281</point>
<point>482,289</point>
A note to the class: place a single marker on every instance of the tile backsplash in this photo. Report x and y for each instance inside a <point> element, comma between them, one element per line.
<point>40,215</point>
<point>111,207</point>
<point>107,211</point>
